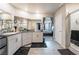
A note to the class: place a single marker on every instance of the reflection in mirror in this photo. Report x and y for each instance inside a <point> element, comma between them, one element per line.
<point>20,24</point>
<point>34,25</point>
<point>9,23</point>
<point>6,22</point>
<point>74,19</point>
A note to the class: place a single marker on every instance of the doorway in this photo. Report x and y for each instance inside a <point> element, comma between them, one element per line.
<point>48,26</point>
<point>72,31</point>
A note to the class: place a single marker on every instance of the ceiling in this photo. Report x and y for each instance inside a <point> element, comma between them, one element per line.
<point>38,7</point>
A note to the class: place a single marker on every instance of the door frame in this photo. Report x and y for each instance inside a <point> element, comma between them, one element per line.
<point>68,36</point>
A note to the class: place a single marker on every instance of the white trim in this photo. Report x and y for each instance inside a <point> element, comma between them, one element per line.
<point>74,48</point>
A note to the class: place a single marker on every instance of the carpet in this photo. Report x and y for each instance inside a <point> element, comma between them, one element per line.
<point>38,45</point>
<point>22,51</point>
<point>65,52</point>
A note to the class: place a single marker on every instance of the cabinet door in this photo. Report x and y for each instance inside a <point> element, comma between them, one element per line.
<point>14,43</point>
<point>37,37</point>
<point>27,38</point>
<point>11,44</point>
<point>18,41</point>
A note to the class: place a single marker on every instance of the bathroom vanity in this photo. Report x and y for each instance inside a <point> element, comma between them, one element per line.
<point>18,32</point>
<point>15,40</point>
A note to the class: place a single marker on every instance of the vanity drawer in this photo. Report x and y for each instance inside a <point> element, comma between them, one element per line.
<point>37,37</point>
<point>11,44</point>
<point>14,43</point>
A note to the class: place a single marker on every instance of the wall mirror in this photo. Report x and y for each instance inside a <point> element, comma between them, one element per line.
<point>20,23</point>
<point>6,21</point>
<point>34,25</point>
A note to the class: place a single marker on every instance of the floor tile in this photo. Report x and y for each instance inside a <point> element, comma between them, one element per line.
<point>51,49</point>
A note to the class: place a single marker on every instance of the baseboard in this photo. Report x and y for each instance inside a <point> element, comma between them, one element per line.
<point>27,44</point>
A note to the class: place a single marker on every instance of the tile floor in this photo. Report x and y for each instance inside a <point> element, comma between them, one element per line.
<point>51,49</point>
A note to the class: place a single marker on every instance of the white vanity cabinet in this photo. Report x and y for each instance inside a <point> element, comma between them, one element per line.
<point>13,43</point>
<point>27,38</point>
<point>37,37</point>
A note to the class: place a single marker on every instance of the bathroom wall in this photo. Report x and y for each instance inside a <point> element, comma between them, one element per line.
<point>31,25</point>
<point>59,18</point>
<point>62,23</point>
<point>74,20</point>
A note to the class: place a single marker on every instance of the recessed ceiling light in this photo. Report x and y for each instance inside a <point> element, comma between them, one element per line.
<point>26,9</point>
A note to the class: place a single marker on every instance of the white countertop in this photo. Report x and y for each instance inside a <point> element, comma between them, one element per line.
<point>10,33</point>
